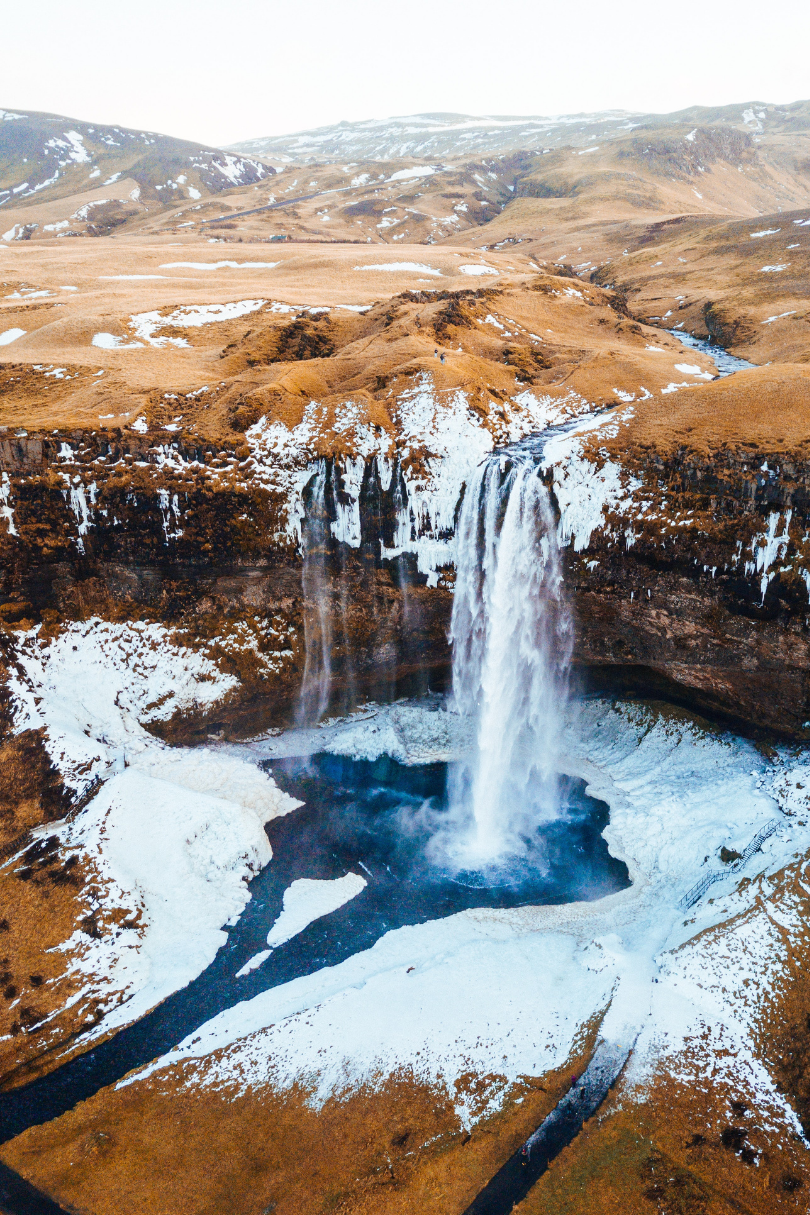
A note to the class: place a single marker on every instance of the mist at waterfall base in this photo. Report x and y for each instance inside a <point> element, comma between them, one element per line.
<point>501,826</point>
<point>380,819</point>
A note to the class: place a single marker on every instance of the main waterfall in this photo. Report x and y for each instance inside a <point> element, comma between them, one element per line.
<point>511,646</point>
<point>512,636</point>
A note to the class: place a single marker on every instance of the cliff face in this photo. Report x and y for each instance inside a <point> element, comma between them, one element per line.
<point>695,578</point>
<point>124,532</point>
<point>682,503</point>
<point>684,523</point>
<point>706,602</point>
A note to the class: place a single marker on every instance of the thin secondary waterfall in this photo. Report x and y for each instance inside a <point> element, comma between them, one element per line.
<point>313,696</point>
<point>512,637</point>
<point>328,680</point>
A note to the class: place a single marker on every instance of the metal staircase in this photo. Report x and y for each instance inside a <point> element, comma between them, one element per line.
<point>699,889</point>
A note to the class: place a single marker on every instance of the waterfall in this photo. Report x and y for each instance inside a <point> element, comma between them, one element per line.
<point>511,634</point>
<point>313,696</point>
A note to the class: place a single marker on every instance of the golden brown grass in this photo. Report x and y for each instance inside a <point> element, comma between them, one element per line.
<point>765,410</point>
<point>162,1145</point>
<point>554,333</point>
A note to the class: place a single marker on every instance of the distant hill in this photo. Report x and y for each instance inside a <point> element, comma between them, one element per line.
<point>62,178</point>
<point>47,156</point>
<point>451,135</point>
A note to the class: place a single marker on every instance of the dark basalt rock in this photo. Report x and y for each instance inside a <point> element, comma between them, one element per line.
<point>671,612</point>
<point>677,616</point>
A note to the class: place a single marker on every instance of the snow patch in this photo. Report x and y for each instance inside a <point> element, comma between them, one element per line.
<point>695,370</point>
<point>108,341</point>
<point>410,267</point>
<point>406,174</point>
<point>219,265</point>
<point>7,510</point>
<point>10,335</point>
<point>173,833</point>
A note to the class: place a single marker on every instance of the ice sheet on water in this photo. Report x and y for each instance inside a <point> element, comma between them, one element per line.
<point>309,899</point>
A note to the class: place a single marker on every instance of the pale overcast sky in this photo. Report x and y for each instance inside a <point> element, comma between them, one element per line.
<point>221,72</point>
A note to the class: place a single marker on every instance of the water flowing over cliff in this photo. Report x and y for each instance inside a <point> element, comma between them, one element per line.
<point>511,633</point>
<point>313,695</point>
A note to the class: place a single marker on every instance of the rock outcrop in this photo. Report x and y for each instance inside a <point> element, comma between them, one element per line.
<point>695,582</point>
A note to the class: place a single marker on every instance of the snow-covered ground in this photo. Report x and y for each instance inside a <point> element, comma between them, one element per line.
<point>172,835</point>
<point>502,993</point>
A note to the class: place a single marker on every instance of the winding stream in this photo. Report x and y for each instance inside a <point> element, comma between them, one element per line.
<point>725,363</point>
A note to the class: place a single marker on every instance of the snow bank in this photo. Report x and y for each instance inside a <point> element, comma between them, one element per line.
<point>443,999</point>
<point>172,835</point>
<point>706,1008</point>
<point>584,488</point>
<point>96,685</point>
<point>180,857</point>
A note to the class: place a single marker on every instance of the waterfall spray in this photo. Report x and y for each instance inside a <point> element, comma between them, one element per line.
<point>511,635</point>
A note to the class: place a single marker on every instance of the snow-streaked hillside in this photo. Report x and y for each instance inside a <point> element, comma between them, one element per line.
<point>425,135</point>
<point>443,135</point>
<point>48,156</point>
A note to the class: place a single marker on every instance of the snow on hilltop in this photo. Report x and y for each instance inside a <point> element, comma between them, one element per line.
<point>55,155</point>
<point>445,135</point>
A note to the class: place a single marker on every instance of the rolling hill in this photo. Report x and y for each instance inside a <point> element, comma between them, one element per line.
<point>453,135</point>
<point>47,156</point>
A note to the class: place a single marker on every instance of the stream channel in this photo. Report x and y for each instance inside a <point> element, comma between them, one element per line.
<point>725,363</point>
